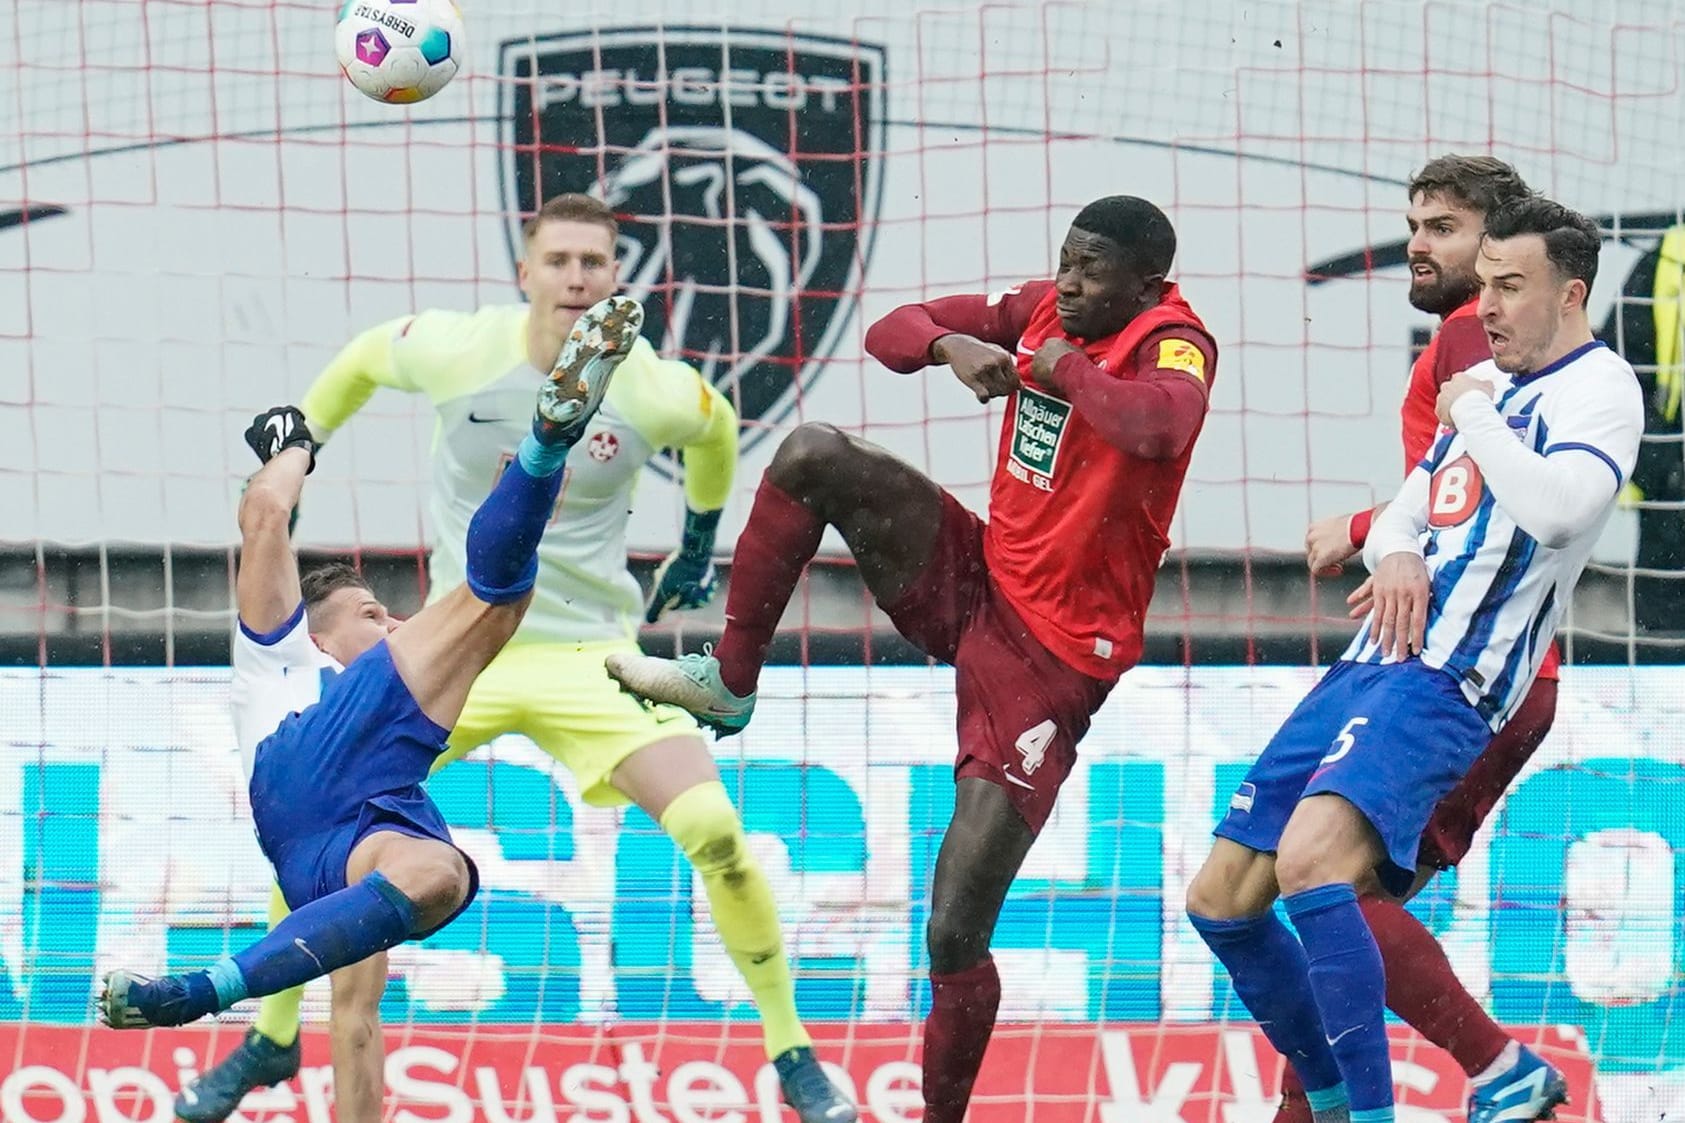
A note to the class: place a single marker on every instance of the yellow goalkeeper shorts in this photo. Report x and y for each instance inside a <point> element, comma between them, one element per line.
<point>560,696</point>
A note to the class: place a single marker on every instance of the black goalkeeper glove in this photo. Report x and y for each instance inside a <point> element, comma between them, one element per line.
<point>280,428</point>
<point>686,579</point>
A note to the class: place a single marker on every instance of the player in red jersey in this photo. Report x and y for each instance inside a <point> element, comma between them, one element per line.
<point>1449,200</point>
<point>1106,371</point>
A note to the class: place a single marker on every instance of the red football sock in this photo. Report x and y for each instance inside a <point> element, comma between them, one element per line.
<point>774,547</point>
<point>962,1016</point>
<point>1294,1107</point>
<point>1424,991</point>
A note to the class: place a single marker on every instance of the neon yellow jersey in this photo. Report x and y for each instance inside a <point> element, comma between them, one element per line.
<point>1670,324</point>
<point>473,367</point>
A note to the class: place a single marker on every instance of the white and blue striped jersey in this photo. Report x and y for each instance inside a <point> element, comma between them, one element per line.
<point>1506,528</point>
<point>274,675</point>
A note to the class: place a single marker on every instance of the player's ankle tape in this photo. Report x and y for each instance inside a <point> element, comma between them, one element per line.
<point>228,981</point>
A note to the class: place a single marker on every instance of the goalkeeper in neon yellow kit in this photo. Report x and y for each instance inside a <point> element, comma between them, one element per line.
<point>480,371</point>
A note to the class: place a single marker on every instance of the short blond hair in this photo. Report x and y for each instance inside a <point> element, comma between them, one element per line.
<point>572,207</point>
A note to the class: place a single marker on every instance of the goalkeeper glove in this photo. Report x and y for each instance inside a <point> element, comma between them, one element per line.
<point>281,427</point>
<point>687,579</point>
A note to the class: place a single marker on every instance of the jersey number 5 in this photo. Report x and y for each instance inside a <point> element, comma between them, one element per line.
<point>1344,742</point>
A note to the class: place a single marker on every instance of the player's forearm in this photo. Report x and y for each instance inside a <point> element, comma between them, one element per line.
<point>906,340</point>
<point>272,493</point>
<point>350,379</point>
<point>1359,523</point>
<point>902,340</point>
<point>1552,498</point>
<point>1154,419</point>
<point>266,586</point>
<point>711,460</point>
<point>1398,525</point>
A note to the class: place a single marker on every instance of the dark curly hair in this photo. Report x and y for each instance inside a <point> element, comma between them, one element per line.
<point>1481,183</point>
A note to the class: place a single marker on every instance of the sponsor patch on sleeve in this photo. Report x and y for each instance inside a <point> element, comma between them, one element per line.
<point>1182,355</point>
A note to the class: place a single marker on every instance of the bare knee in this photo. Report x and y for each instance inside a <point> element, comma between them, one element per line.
<point>1328,841</point>
<point>1208,896</point>
<point>807,464</point>
<point>486,627</point>
<point>354,1029</point>
<point>1234,882</point>
<point>435,882</point>
<point>1308,864</point>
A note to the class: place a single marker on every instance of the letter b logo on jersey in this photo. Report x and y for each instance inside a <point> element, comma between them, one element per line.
<point>1454,493</point>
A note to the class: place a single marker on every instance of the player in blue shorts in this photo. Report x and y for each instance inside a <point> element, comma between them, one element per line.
<point>360,706</point>
<point>1471,565</point>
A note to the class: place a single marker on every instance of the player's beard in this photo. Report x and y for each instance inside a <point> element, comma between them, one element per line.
<point>1444,292</point>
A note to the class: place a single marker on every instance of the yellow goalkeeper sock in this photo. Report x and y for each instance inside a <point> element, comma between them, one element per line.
<point>277,1014</point>
<point>706,826</point>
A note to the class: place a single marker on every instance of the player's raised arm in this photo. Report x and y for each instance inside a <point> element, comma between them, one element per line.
<point>350,379</point>
<point>266,589</point>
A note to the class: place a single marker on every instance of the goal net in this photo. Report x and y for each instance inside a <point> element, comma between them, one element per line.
<point>196,211</point>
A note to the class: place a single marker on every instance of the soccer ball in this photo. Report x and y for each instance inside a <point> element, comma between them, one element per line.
<point>399,51</point>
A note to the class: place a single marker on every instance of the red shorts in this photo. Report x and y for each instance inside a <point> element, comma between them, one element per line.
<point>1456,817</point>
<point>1021,710</point>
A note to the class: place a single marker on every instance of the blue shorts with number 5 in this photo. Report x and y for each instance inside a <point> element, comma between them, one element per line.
<point>1391,739</point>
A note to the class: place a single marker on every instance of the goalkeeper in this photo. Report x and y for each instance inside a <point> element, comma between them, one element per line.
<point>480,371</point>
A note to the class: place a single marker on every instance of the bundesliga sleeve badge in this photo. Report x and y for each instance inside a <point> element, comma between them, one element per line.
<point>1179,354</point>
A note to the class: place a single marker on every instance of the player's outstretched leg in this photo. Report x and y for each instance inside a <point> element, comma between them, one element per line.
<point>442,649</point>
<point>419,885</point>
<point>983,848</point>
<point>887,512</point>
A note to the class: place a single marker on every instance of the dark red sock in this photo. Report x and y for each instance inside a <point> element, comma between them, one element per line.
<point>1294,1107</point>
<point>962,1016</point>
<point>1424,991</point>
<point>774,547</point>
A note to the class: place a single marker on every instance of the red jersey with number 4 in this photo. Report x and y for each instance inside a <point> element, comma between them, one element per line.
<point>1077,527</point>
<point>1459,344</point>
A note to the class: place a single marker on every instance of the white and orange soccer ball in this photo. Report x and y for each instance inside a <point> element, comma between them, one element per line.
<point>399,51</point>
